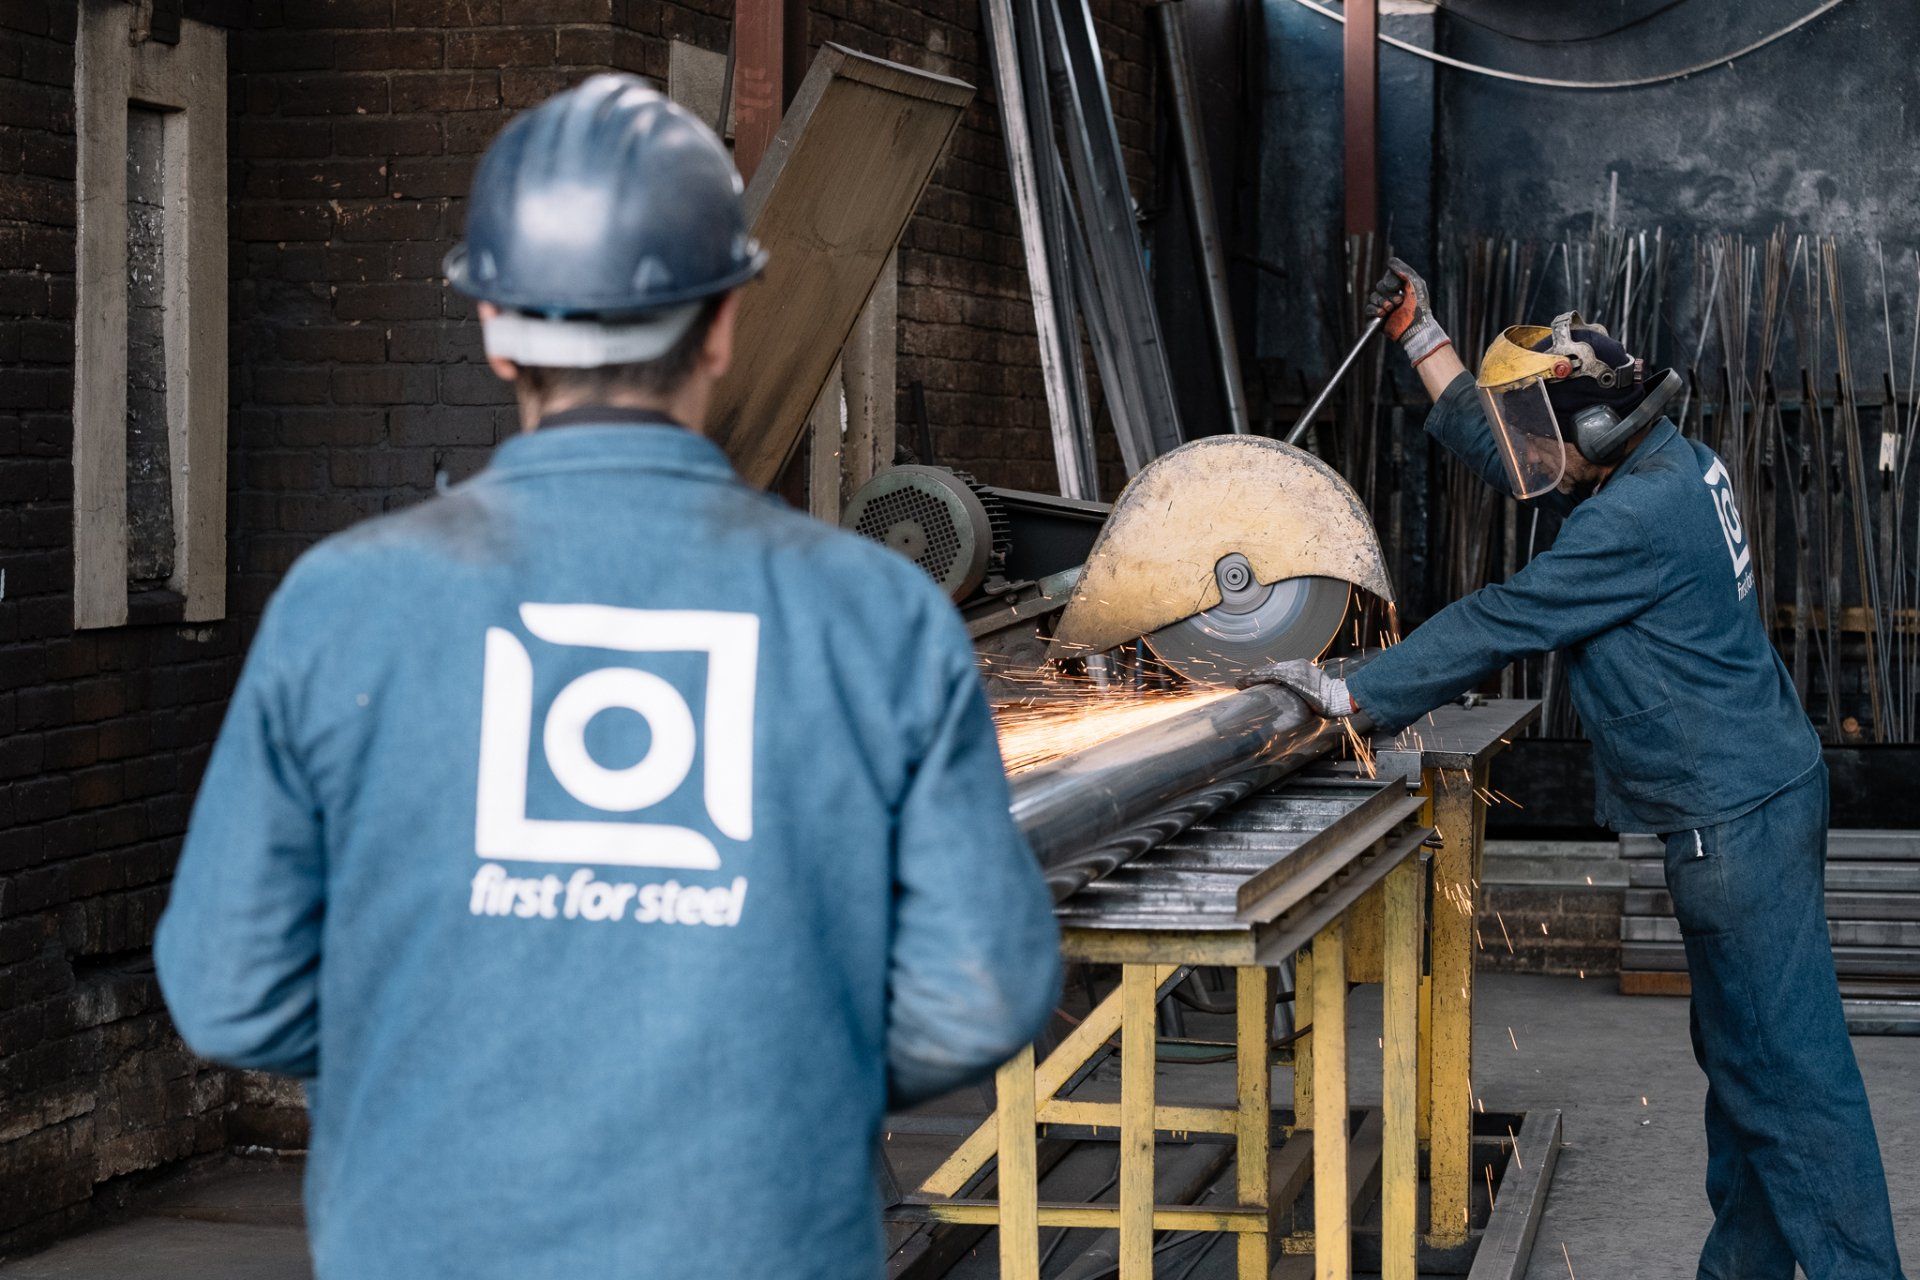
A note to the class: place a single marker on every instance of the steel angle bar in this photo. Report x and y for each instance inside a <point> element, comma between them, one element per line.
<point>1066,253</point>
<point>1140,385</point>
<point>1026,125</point>
<point>1299,925</point>
<point>1104,334</point>
<point>1197,177</point>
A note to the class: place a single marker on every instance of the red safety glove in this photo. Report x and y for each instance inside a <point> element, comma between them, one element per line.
<point>1401,299</point>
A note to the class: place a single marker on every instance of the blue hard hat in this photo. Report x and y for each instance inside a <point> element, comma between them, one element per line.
<point>606,200</point>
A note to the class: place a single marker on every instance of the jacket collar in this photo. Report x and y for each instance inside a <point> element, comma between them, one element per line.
<point>610,446</point>
<point>1656,439</point>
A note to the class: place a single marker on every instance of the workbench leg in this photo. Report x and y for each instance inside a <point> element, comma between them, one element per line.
<point>1138,1047</point>
<point>1253,1038</point>
<point>1018,1182</point>
<point>1450,1127</point>
<point>1423,1113</point>
<point>1332,1227</point>
<point>1050,1076</point>
<point>1303,1040</point>
<point>1400,1029</point>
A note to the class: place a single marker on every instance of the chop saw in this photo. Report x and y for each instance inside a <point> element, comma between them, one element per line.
<point>1223,555</point>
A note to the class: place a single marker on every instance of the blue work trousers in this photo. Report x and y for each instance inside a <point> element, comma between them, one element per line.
<point>1793,1166</point>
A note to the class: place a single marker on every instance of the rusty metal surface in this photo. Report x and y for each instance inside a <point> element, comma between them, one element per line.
<point>1360,85</point>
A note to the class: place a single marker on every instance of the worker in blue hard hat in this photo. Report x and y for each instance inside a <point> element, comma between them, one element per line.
<point>604,842</point>
<point>1648,591</point>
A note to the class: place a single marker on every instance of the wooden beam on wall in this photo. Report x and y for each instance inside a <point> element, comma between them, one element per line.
<point>759,79</point>
<point>1360,62</point>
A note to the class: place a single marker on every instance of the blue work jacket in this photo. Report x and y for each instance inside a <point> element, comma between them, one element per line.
<point>1649,592</point>
<point>605,843</point>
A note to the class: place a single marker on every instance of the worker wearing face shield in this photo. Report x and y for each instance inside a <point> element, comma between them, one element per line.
<point>1648,592</point>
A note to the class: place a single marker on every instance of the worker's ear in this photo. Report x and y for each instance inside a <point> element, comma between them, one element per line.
<point>503,368</point>
<point>716,354</point>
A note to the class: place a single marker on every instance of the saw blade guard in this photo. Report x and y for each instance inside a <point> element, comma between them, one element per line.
<point>1243,513</point>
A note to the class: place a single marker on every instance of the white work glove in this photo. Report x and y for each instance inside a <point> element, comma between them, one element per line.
<point>1326,695</point>
<point>1401,299</point>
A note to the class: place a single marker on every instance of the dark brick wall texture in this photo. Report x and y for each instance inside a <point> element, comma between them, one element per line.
<point>1570,931</point>
<point>356,382</point>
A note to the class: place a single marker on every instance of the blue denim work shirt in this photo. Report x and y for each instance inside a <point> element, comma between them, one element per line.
<point>1649,592</point>
<point>606,843</point>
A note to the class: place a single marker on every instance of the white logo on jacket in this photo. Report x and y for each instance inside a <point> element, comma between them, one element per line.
<point>731,643</point>
<point>1720,484</point>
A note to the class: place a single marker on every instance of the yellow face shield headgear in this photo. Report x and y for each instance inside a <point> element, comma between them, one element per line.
<point>1513,388</point>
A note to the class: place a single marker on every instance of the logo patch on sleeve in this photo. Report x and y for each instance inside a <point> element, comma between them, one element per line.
<point>1720,484</point>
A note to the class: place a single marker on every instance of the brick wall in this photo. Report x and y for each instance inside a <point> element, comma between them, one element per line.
<point>1560,929</point>
<point>103,735</point>
<point>966,328</point>
<point>353,149</point>
<point>356,382</point>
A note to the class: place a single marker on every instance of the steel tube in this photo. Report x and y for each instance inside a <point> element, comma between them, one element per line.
<point>1028,135</point>
<point>1088,812</point>
<point>1198,179</point>
<point>1139,384</point>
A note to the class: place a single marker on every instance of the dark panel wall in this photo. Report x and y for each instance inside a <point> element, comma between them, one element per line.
<point>1815,132</point>
<point>1302,233</point>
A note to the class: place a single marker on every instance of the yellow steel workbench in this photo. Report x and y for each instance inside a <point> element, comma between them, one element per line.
<point>1330,868</point>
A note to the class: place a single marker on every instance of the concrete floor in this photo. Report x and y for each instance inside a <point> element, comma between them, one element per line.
<point>1628,1196</point>
<point>239,1221</point>
<point>1626,1200</point>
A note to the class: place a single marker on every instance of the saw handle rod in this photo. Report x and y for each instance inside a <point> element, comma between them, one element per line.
<point>1306,418</point>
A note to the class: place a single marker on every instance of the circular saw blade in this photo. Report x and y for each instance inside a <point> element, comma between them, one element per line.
<point>1262,623</point>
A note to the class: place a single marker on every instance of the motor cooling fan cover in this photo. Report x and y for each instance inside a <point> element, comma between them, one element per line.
<point>935,517</point>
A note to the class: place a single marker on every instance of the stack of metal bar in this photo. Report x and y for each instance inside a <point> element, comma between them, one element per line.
<point>1818,431</point>
<point>1085,264</point>
<point>1873,911</point>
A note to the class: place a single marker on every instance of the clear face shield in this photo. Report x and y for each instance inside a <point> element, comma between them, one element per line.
<point>1527,434</point>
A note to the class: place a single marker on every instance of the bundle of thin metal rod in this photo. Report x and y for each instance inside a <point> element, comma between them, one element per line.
<point>1081,243</point>
<point>1821,471</point>
<point>1089,812</point>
